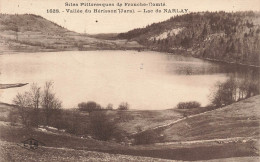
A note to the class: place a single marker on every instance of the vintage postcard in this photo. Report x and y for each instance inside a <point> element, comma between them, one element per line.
<point>129,80</point>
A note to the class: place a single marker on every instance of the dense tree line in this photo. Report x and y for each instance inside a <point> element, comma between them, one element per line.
<point>231,37</point>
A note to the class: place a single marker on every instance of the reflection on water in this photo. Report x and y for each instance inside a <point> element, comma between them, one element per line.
<point>146,80</point>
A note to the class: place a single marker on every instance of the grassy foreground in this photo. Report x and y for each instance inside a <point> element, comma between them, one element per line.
<point>12,152</point>
<point>193,138</point>
<point>241,119</point>
<point>65,147</point>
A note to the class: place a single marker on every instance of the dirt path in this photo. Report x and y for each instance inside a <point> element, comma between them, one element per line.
<point>216,140</point>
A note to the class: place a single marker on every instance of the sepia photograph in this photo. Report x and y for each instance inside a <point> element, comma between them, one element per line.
<point>129,80</point>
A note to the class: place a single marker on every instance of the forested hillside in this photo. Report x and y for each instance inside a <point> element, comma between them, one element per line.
<point>229,37</point>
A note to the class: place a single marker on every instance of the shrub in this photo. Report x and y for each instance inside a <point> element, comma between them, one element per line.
<point>147,137</point>
<point>101,126</point>
<point>224,93</point>
<point>119,135</point>
<point>232,90</point>
<point>72,121</point>
<point>188,105</point>
<point>13,117</point>
<point>123,106</point>
<point>109,107</point>
<point>89,106</point>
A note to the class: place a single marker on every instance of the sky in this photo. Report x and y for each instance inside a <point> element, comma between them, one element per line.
<point>93,23</point>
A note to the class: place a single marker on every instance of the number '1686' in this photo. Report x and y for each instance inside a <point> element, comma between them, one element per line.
<point>53,11</point>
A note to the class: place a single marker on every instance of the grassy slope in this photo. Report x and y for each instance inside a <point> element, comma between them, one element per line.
<point>31,33</point>
<point>241,119</point>
<point>4,111</point>
<point>14,135</point>
<point>133,121</point>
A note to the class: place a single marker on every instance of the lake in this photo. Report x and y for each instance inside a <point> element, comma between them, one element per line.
<point>146,80</point>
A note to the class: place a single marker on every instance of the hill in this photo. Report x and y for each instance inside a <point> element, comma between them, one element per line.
<point>240,119</point>
<point>221,36</point>
<point>230,132</point>
<point>32,33</point>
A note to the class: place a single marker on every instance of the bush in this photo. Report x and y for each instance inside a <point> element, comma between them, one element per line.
<point>224,93</point>
<point>147,137</point>
<point>109,107</point>
<point>89,106</point>
<point>123,106</point>
<point>72,121</point>
<point>188,105</point>
<point>233,90</point>
<point>101,126</point>
<point>13,117</point>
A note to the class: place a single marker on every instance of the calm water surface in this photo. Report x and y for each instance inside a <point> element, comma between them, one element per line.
<point>146,80</point>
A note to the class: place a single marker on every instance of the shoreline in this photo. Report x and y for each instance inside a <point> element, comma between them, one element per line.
<point>133,49</point>
<point>233,63</point>
<point>6,86</point>
<point>188,53</point>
